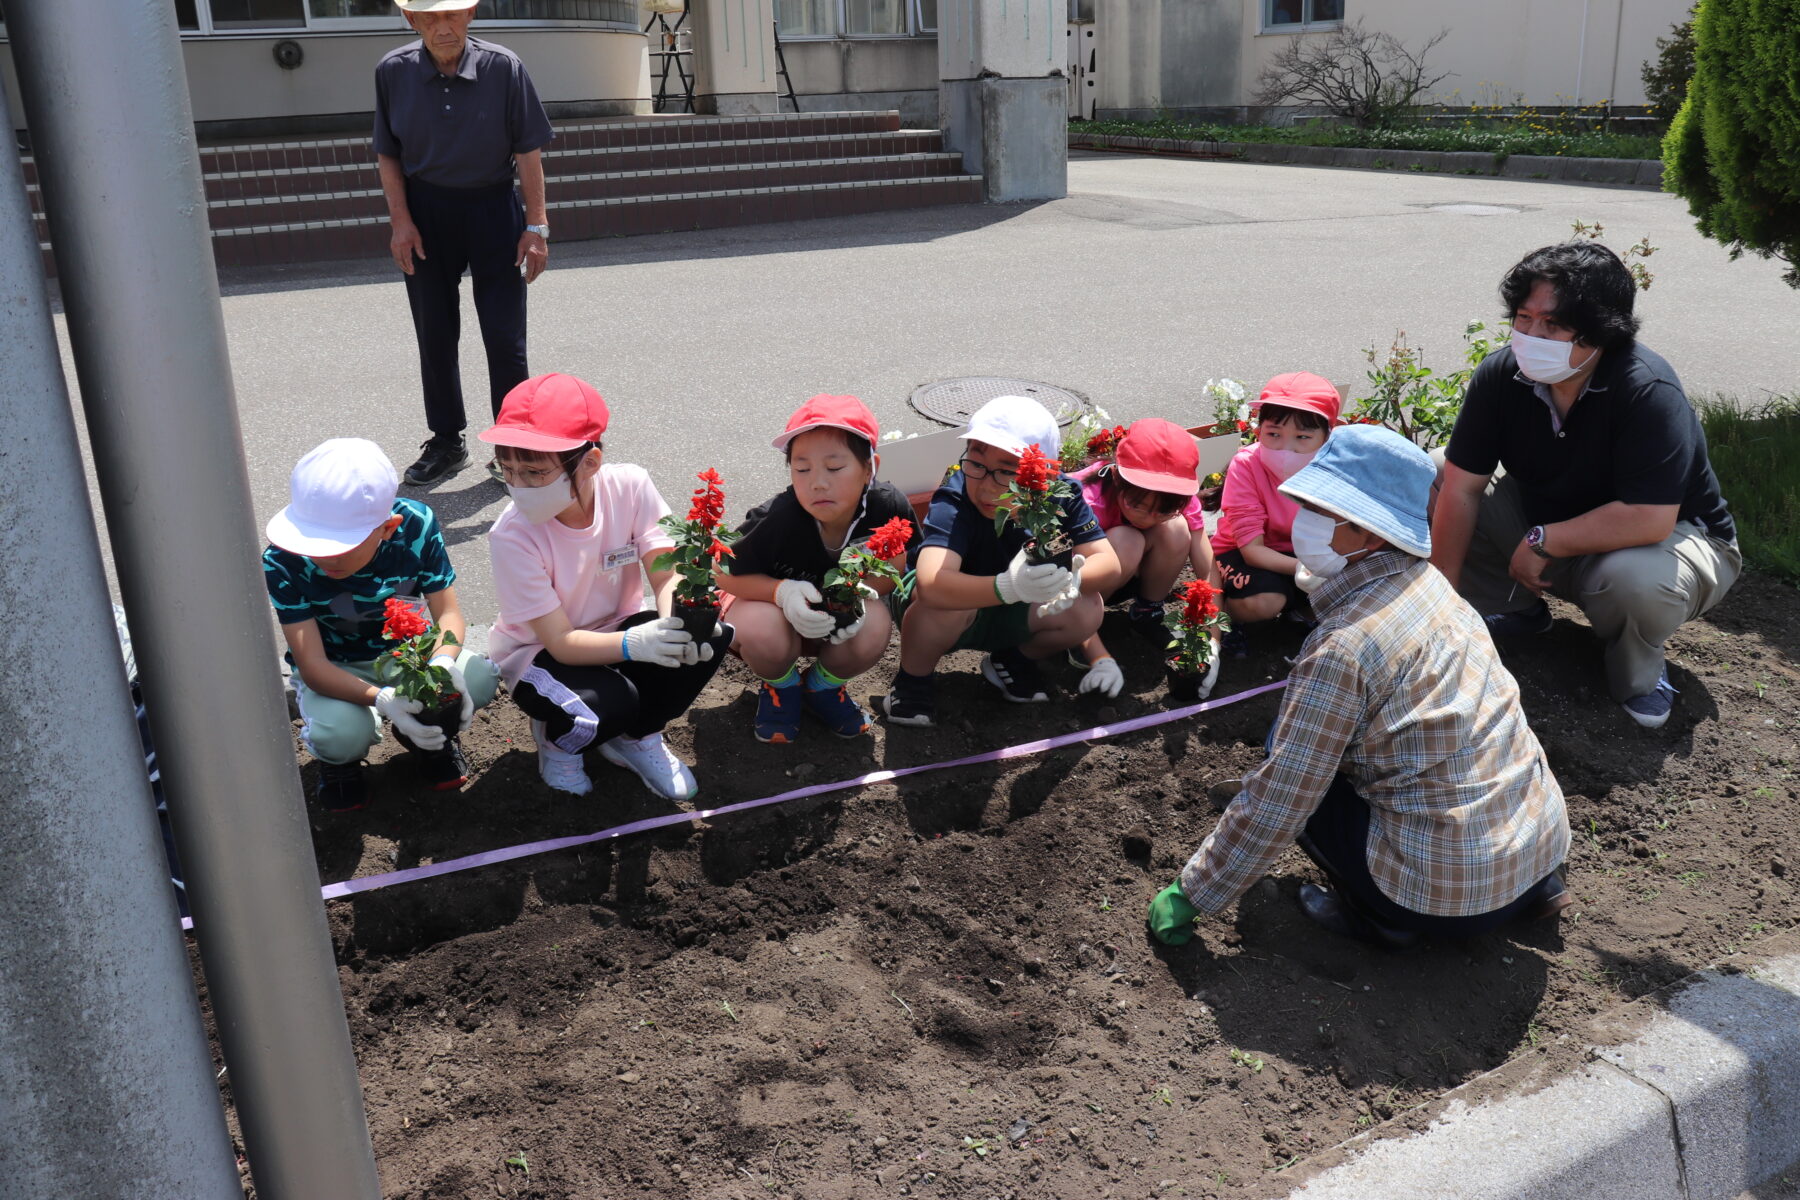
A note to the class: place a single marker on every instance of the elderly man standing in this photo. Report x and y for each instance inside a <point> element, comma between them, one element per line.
<point>453,114</point>
<point>1578,467</point>
<point>1401,762</point>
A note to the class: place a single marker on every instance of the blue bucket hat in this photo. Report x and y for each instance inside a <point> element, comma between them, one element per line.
<point>1377,479</point>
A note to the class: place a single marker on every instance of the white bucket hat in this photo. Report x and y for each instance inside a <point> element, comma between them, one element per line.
<point>339,493</point>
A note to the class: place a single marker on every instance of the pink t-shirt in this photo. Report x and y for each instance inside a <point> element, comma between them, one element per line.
<point>1106,507</point>
<point>1252,505</point>
<point>595,575</point>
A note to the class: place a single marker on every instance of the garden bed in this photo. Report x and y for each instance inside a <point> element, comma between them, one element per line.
<point>943,986</point>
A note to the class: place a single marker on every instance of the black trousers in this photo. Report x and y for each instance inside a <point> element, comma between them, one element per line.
<point>582,706</point>
<point>478,230</point>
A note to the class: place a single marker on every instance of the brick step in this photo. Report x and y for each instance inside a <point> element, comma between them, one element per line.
<point>368,201</point>
<point>366,238</point>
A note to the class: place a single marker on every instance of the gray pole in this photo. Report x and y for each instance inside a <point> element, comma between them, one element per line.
<point>106,100</point>
<point>106,1087</point>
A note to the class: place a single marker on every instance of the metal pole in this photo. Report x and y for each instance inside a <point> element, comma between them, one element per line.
<point>106,1086</point>
<point>106,99</point>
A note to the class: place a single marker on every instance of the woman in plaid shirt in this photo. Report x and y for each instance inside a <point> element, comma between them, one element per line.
<point>1401,762</point>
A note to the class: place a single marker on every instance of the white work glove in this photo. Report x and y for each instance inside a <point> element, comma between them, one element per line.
<point>1025,583</point>
<point>795,598</point>
<point>661,643</point>
<point>867,595</point>
<point>399,710</point>
<point>1212,672</point>
<point>1305,580</point>
<point>460,686</point>
<point>1071,591</point>
<point>1104,677</point>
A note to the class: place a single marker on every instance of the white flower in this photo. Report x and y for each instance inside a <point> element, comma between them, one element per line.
<point>1102,414</point>
<point>1243,412</point>
<point>892,435</point>
<point>1233,388</point>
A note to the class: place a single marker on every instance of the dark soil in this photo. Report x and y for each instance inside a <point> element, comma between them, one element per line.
<point>943,987</point>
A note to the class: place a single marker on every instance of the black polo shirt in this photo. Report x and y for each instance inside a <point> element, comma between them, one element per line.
<point>457,131</point>
<point>954,523</point>
<point>781,538</point>
<point>1631,437</point>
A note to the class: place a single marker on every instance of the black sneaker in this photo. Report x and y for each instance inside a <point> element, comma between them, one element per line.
<point>340,787</point>
<point>437,458</point>
<point>444,770</point>
<point>1146,620</point>
<point>912,701</point>
<point>1017,677</point>
<point>1235,643</point>
<point>1535,619</point>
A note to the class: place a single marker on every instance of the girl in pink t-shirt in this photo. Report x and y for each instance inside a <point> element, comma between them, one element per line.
<point>587,660</point>
<point>1254,540</point>
<point>1146,498</point>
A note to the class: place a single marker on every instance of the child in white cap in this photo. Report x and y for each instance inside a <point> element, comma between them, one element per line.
<point>341,548</point>
<point>973,588</point>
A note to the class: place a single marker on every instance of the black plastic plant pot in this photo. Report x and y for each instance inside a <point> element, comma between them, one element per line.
<point>1184,685</point>
<point>845,613</point>
<point>447,715</point>
<point>698,619</point>
<point>1058,548</point>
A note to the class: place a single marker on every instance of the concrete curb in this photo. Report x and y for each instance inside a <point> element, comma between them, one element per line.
<point>1700,1100</point>
<point>1625,172</point>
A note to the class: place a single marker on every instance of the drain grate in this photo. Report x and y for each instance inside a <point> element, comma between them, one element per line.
<point>1473,210</point>
<point>954,401</point>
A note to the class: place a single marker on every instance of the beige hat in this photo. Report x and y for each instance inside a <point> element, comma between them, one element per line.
<point>435,5</point>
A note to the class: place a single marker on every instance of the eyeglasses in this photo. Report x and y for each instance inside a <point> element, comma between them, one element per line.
<point>1158,503</point>
<point>977,471</point>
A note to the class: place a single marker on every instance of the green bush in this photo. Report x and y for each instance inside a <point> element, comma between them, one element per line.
<point>1666,77</point>
<point>1756,455</point>
<point>1733,152</point>
<point>1521,135</point>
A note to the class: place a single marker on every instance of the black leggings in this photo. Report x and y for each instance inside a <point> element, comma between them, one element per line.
<point>584,705</point>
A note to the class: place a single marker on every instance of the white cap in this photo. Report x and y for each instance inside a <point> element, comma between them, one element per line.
<point>434,5</point>
<point>1011,423</point>
<point>339,493</point>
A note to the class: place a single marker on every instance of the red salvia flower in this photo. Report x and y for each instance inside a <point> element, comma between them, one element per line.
<point>1199,602</point>
<point>402,621</point>
<point>709,500</point>
<point>718,550</point>
<point>889,541</point>
<point>1036,471</point>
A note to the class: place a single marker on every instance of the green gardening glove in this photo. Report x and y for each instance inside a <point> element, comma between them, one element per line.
<point>1172,917</point>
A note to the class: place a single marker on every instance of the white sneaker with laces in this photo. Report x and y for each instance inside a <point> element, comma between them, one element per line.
<point>560,769</point>
<point>654,763</point>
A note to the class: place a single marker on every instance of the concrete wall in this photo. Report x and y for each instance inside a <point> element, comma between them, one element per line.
<point>236,78</point>
<point>1156,54</point>
<point>855,74</point>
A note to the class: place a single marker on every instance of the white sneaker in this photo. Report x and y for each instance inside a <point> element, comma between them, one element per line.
<point>560,769</point>
<point>654,763</point>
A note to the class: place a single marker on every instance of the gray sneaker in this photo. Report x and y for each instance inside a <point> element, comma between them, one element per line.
<point>1651,710</point>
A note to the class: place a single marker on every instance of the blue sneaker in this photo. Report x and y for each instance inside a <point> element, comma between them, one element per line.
<point>1651,710</point>
<point>833,705</point>
<point>1535,619</point>
<point>778,713</point>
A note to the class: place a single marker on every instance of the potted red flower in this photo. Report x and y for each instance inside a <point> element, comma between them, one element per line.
<point>407,667</point>
<point>1191,631</point>
<point>845,587</point>
<point>699,545</point>
<point>1033,503</point>
<point>1104,443</point>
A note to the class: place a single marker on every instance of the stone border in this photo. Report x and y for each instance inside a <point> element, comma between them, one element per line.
<point>1627,172</point>
<point>1702,1102</point>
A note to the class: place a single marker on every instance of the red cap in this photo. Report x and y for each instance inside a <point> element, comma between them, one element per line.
<point>1159,456</point>
<point>1304,391</point>
<point>831,412</point>
<point>551,413</point>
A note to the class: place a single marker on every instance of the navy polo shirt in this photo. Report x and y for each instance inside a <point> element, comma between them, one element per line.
<point>458,131</point>
<point>1631,437</point>
<point>954,523</point>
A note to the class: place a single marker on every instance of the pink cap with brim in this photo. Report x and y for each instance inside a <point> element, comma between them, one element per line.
<point>338,494</point>
<point>550,413</point>
<point>847,413</point>
<point>1159,456</point>
<point>1304,391</point>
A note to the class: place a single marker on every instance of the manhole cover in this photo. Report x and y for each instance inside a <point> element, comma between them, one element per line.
<point>954,401</point>
<point>1473,210</point>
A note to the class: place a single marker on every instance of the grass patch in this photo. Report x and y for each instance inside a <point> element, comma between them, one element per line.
<point>1521,137</point>
<point>1756,454</point>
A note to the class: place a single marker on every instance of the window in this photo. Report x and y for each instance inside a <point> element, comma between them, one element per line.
<point>257,14</point>
<point>624,11</point>
<point>326,10</point>
<point>874,18</point>
<point>854,18</point>
<point>806,18</point>
<point>1298,14</point>
<point>925,15</point>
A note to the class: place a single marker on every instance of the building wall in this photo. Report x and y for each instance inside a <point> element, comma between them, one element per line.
<point>858,74</point>
<point>1157,54</point>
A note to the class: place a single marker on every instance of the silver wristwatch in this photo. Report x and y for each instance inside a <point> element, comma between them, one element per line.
<point>542,231</point>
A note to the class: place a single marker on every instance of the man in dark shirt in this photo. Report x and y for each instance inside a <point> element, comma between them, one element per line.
<point>1578,467</point>
<point>453,114</point>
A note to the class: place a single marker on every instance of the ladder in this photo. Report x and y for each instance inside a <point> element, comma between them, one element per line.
<point>667,44</point>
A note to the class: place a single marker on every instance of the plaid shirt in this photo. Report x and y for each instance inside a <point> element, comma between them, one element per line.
<point>1400,690</point>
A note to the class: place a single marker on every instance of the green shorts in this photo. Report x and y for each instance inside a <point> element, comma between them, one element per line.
<point>998,628</point>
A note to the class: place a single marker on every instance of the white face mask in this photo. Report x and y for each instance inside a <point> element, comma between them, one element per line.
<point>1312,543</point>
<point>541,504</point>
<point>1283,463</point>
<point>1543,359</point>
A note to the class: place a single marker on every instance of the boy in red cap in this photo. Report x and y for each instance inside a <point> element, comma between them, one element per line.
<point>1254,542</point>
<point>584,657</point>
<point>778,566</point>
<point>1146,497</point>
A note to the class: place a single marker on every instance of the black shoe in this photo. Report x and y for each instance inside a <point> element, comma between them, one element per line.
<point>1235,643</point>
<point>1535,619</point>
<point>1146,620</point>
<point>912,701</point>
<point>1326,908</point>
<point>437,458</point>
<point>1017,677</point>
<point>444,770</point>
<point>340,787</point>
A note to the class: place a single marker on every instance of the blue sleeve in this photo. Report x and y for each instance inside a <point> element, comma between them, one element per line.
<point>385,141</point>
<point>291,605</point>
<point>1078,519</point>
<point>527,124</point>
<point>940,520</point>
<point>427,541</point>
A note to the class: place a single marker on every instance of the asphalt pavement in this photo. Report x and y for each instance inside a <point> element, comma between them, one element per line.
<point>1152,276</point>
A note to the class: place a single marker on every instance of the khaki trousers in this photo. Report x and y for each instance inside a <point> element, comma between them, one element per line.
<point>1634,598</point>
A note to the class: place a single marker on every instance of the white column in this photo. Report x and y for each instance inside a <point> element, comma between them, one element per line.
<point>1003,94</point>
<point>734,56</point>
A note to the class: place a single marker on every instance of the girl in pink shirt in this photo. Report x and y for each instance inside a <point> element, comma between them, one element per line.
<point>586,658</point>
<point>1254,540</point>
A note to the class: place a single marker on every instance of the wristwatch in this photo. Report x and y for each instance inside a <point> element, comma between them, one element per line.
<point>1534,537</point>
<point>542,231</point>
